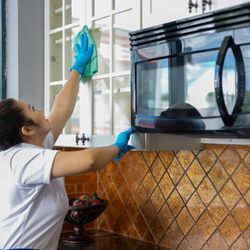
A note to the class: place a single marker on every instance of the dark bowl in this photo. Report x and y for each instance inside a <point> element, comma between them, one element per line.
<point>82,215</point>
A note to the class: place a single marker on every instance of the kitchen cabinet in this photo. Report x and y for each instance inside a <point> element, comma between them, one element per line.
<point>103,105</point>
<point>156,12</point>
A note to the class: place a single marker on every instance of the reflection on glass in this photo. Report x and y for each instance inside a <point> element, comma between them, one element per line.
<point>53,92</point>
<point>229,80</point>
<point>55,14</point>
<point>56,57</point>
<point>101,110</point>
<point>101,35</point>
<point>121,109</point>
<point>72,125</point>
<point>74,10</point>
<point>123,24</point>
<point>101,7</point>
<point>69,52</point>
<point>121,4</point>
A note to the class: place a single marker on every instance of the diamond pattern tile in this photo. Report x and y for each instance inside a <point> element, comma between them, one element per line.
<point>241,177</point>
<point>157,170</point>
<point>206,158</point>
<point>217,241</point>
<point>196,173</point>
<point>195,238</point>
<point>157,199</point>
<point>230,230</point>
<point>166,157</point>
<point>217,210</point>
<point>149,183</point>
<point>230,194</point>
<point>206,191</point>
<point>175,171</point>
<point>230,160</point>
<point>185,158</point>
<point>218,175</point>
<point>166,185</point>
<point>195,206</point>
<point>149,156</point>
<point>175,203</point>
<point>185,188</point>
<point>185,220</point>
<point>241,214</point>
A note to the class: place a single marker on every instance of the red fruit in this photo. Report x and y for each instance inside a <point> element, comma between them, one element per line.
<point>78,203</point>
<point>94,202</point>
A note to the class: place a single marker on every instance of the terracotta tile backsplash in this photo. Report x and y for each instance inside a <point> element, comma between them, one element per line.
<point>178,200</point>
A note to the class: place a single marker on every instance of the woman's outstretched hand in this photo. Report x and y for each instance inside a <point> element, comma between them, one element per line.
<point>122,143</point>
<point>83,54</point>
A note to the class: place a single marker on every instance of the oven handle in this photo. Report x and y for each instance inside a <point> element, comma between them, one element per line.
<point>228,42</point>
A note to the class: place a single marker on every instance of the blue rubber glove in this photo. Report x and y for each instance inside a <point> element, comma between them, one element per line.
<point>122,143</point>
<point>83,54</point>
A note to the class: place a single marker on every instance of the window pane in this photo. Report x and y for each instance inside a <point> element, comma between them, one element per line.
<point>123,24</point>
<point>101,34</point>
<point>101,7</point>
<point>56,57</point>
<point>101,110</point>
<point>55,14</point>
<point>122,113</point>
<point>74,11</point>
<point>121,4</point>
<point>69,52</point>
<point>53,92</point>
<point>72,125</point>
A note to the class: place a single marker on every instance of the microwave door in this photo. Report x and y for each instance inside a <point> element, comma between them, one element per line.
<point>225,48</point>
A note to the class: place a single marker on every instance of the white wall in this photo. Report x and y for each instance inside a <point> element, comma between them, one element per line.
<point>25,51</point>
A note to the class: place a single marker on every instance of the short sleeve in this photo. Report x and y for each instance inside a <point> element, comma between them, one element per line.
<point>32,165</point>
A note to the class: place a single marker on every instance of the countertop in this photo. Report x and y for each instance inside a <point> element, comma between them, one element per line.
<point>104,240</point>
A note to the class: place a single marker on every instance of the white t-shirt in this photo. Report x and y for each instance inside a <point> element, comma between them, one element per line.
<point>32,206</point>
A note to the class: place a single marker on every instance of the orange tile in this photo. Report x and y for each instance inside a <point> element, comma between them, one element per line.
<point>185,220</point>
<point>195,173</point>
<point>166,157</point>
<point>206,158</point>
<point>230,160</point>
<point>149,157</point>
<point>185,158</point>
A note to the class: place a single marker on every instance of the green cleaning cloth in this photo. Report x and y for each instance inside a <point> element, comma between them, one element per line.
<point>92,66</point>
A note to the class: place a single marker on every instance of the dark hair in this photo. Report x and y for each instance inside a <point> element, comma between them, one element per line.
<point>12,118</point>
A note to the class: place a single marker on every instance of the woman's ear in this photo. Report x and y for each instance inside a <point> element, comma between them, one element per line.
<point>27,131</point>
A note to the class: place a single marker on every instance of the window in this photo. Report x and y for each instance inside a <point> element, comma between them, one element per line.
<point>3,50</point>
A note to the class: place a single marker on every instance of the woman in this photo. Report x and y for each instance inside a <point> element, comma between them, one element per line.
<point>32,193</point>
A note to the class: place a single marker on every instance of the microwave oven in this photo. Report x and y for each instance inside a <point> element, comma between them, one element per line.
<point>192,76</point>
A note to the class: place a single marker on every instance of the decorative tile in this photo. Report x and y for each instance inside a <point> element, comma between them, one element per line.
<point>207,159</point>
<point>195,238</point>
<point>217,210</point>
<point>175,203</point>
<point>230,194</point>
<point>141,196</point>
<point>149,183</point>
<point>133,210</point>
<point>206,191</point>
<point>217,148</point>
<point>217,242</point>
<point>166,185</point>
<point>184,245</point>
<point>157,169</point>
<point>206,225</point>
<point>247,197</point>
<point>149,157</point>
<point>240,243</point>
<point>247,159</point>
<point>229,230</point>
<point>157,228</point>
<point>195,173</point>
<point>185,158</point>
<point>185,188</point>
<point>195,206</point>
<point>165,216</point>
<point>175,171</point>
<point>241,178</point>
<point>242,150</point>
<point>218,175</point>
<point>185,220</point>
<point>166,157</point>
<point>241,214</point>
<point>230,160</point>
<point>148,211</point>
<point>148,236</point>
<point>140,225</point>
<point>172,237</point>
<point>157,199</point>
